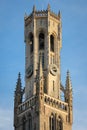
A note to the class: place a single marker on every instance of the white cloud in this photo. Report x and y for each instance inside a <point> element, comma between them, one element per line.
<point>6,119</point>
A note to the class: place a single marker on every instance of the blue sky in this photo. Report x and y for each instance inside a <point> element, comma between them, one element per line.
<point>73,53</point>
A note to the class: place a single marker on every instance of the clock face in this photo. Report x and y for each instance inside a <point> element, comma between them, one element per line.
<point>53,69</point>
<point>29,71</point>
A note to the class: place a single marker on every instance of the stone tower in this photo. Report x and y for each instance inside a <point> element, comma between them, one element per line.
<point>43,108</point>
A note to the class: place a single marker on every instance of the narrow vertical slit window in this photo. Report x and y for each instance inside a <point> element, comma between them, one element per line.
<point>24,123</point>
<point>30,122</point>
<point>60,124</point>
<point>51,122</point>
<point>41,41</point>
<point>52,43</point>
<point>31,42</point>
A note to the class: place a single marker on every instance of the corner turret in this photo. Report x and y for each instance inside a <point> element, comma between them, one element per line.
<point>18,91</point>
<point>48,7</point>
<point>34,8</point>
<point>59,14</point>
<point>68,96</point>
<point>17,98</point>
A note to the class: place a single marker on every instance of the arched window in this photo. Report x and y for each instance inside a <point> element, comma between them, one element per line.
<point>31,42</point>
<point>30,122</point>
<point>59,124</point>
<point>55,123</point>
<point>52,122</point>
<point>52,43</point>
<point>24,123</point>
<point>41,41</point>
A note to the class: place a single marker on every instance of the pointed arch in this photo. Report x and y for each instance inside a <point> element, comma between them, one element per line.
<point>41,41</point>
<point>59,123</point>
<point>52,122</point>
<point>44,32</point>
<point>53,37</point>
<point>51,43</point>
<point>30,121</point>
<point>24,122</point>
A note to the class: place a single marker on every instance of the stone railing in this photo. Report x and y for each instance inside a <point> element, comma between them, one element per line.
<point>41,13</point>
<point>26,105</point>
<point>58,104</point>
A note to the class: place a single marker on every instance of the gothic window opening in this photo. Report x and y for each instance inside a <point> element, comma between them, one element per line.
<point>45,83</point>
<point>55,123</point>
<point>41,41</point>
<point>51,122</point>
<point>31,42</point>
<point>24,123</point>
<point>52,43</point>
<point>60,123</point>
<point>30,122</point>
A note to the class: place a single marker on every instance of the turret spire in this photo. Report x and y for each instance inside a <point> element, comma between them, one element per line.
<point>59,14</point>
<point>18,91</point>
<point>17,98</point>
<point>68,82</point>
<point>48,7</point>
<point>18,86</point>
<point>68,96</point>
<point>34,8</point>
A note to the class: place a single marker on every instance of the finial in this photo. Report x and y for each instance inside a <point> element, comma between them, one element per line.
<point>48,7</point>
<point>18,85</point>
<point>59,14</point>
<point>34,8</point>
<point>25,15</point>
<point>19,75</point>
<point>68,73</point>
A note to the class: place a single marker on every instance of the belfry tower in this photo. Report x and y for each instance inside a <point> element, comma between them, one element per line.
<point>43,108</point>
